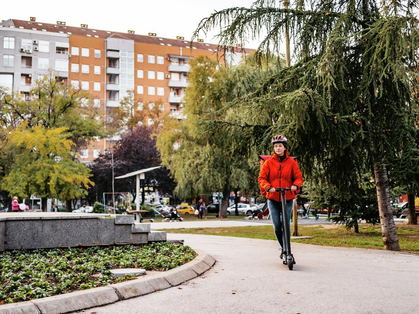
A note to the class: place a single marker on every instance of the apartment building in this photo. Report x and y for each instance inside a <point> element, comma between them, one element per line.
<point>104,63</point>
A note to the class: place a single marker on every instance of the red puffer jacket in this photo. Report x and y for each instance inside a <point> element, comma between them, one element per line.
<point>276,173</point>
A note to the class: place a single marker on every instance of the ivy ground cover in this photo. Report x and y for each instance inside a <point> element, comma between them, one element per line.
<point>26,275</point>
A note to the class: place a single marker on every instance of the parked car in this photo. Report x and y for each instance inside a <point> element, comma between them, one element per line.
<point>185,209</point>
<point>162,211</point>
<point>84,209</point>
<point>243,209</point>
<point>213,208</point>
<point>401,210</point>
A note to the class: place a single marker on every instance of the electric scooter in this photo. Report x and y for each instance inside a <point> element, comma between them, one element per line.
<point>288,259</point>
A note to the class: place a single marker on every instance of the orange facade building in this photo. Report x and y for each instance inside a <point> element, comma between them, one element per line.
<point>104,63</point>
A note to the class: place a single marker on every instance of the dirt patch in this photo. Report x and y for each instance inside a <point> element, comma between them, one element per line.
<point>404,224</point>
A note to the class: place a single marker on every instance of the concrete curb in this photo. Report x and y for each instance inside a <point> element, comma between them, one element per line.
<point>81,300</point>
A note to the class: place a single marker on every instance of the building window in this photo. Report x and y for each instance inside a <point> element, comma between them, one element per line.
<point>96,153</point>
<point>84,153</point>
<point>140,89</point>
<point>6,80</point>
<point>27,45</point>
<point>151,90</point>
<point>85,52</point>
<point>160,76</point>
<point>151,75</point>
<point>84,68</point>
<point>140,57</point>
<point>160,60</point>
<point>43,63</point>
<point>140,74</point>
<point>151,59</point>
<point>75,67</point>
<point>9,43</point>
<point>84,102</point>
<point>8,60</point>
<point>61,65</point>
<point>160,91</point>
<point>97,69</point>
<point>84,85</point>
<point>140,106</point>
<point>26,62</point>
<point>43,46</point>
<point>75,84</point>
<point>175,76</point>
<point>96,102</point>
<point>61,48</point>
<point>97,53</point>
<point>96,86</point>
<point>75,51</point>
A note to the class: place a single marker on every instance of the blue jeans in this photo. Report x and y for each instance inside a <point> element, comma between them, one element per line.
<point>275,209</point>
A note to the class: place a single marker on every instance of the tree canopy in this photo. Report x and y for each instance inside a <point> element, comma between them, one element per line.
<point>204,157</point>
<point>135,150</point>
<point>348,103</point>
<point>40,137</point>
<point>44,165</point>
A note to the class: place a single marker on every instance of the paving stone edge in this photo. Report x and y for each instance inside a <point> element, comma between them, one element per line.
<point>81,300</point>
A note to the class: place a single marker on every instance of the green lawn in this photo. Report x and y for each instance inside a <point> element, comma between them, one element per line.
<point>368,237</point>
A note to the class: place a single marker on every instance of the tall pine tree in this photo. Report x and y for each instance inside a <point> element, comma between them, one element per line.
<point>345,100</point>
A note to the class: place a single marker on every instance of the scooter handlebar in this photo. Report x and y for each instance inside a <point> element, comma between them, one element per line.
<point>282,189</point>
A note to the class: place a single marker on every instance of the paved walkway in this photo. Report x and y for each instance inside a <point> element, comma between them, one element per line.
<point>249,278</point>
<point>209,223</point>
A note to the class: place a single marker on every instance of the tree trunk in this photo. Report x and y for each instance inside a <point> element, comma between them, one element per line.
<point>68,205</point>
<point>388,228</point>
<point>236,201</point>
<point>44,201</point>
<point>356,226</point>
<point>224,203</point>
<point>412,219</point>
<point>295,219</point>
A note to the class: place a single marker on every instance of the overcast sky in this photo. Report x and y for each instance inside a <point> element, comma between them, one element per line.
<point>167,18</point>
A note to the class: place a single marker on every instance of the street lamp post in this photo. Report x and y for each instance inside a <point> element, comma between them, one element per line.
<point>140,179</point>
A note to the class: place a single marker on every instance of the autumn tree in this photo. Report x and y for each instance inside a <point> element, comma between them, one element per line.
<point>135,150</point>
<point>56,107</point>
<point>44,165</point>
<point>345,102</point>
<point>202,156</point>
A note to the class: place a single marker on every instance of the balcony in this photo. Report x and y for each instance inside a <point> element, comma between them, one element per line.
<point>179,68</point>
<point>25,88</point>
<point>182,83</point>
<point>175,99</point>
<point>112,70</point>
<point>112,54</point>
<point>112,103</point>
<point>112,86</point>
<point>177,115</point>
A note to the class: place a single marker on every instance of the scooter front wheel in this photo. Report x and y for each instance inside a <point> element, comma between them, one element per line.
<point>290,265</point>
<point>290,262</point>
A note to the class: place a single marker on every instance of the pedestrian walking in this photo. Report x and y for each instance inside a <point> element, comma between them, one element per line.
<point>201,208</point>
<point>15,205</point>
<point>280,171</point>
